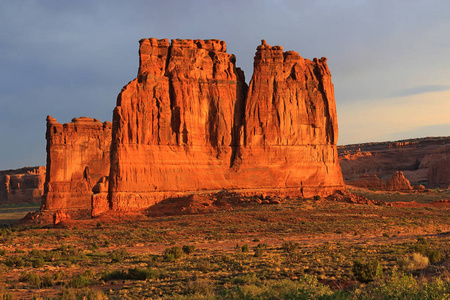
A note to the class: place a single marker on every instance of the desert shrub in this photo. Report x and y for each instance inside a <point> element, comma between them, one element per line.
<point>38,262</point>
<point>79,281</point>
<point>246,279</point>
<point>142,274</point>
<point>131,274</point>
<point>421,239</point>
<point>317,197</point>
<point>290,247</point>
<point>412,262</point>
<point>173,253</point>
<point>68,250</point>
<point>90,294</point>
<point>200,286</point>
<point>4,295</point>
<point>115,275</point>
<point>260,249</point>
<point>15,261</point>
<point>46,280</point>
<point>306,287</point>
<point>68,294</point>
<point>33,279</point>
<point>118,255</point>
<point>244,248</point>
<point>45,255</point>
<point>423,247</point>
<point>366,272</point>
<point>2,252</point>
<point>435,255</point>
<point>401,286</point>
<point>5,231</point>
<point>36,281</point>
<point>188,249</point>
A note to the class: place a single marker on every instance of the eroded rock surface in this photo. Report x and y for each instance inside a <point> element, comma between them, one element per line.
<point>77,158</point>
<point>25,185</point>
<point>439,169</point>
<point>423,161</point>
<point>187,124</point>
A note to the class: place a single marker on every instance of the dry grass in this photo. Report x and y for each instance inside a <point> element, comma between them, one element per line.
<point>255,248</point>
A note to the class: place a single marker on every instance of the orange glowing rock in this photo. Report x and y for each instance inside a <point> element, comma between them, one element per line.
<point>189,123</point>
<point>77,158</point>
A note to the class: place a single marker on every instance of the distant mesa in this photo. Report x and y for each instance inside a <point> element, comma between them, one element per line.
<point>25,185</point>
<point>423,162</point>
<point>188,124</point>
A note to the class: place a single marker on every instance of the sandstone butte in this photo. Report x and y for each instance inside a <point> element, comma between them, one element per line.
<point>398,182</point>
<point>190,124</point>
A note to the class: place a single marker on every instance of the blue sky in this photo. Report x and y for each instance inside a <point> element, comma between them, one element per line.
<point>390,60</point>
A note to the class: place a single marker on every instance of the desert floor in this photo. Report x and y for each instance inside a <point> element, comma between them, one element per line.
<point>233,248</point>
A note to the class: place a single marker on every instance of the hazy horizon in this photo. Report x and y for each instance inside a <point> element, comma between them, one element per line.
<point>389,60</point>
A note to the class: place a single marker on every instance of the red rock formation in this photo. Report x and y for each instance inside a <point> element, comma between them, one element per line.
<point>423,161</point>
<point>290,130</point>
<point>77,158</point>
<point>439,170</point>
<point>398,182</point>
<point>60,216</point>
<point>25,185</point>
<point>372,182</point>
<point>184,125</point>
<point>174,125</point>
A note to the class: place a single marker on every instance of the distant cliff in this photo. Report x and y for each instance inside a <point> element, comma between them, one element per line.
<point>423,161</point>
<point>25,185</point>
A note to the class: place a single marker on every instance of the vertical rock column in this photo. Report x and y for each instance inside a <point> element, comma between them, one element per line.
<point>290,131</point>
<point>174,126</point>
<point>77,158</point>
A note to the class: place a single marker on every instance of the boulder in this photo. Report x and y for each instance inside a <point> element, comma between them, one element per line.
<point>60,216</point>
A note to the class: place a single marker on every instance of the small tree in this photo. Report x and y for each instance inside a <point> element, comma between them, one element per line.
<point>366,272</point>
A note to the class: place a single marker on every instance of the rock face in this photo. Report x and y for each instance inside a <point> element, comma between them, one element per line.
<point>422,161</point>
<point>188,123</point>
<point>77,158</point>
<point>398,182</point>
<point>439,170</point>
<point>25,185</point>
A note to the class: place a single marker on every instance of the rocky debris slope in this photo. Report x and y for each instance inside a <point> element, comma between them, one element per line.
<point>189,123</point>
<point>25,185</point>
